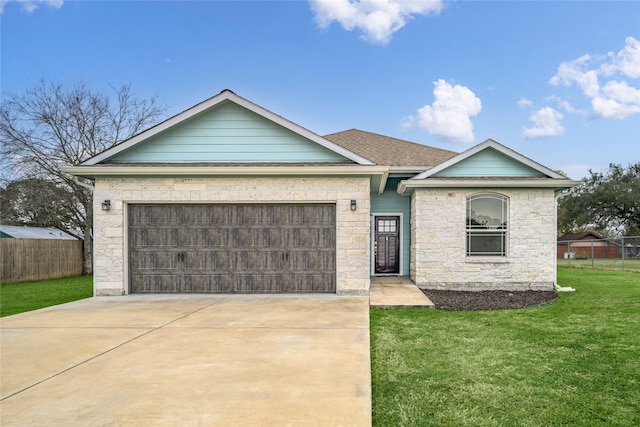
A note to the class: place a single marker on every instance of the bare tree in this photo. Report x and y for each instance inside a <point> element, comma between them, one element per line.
<point>51,126</point>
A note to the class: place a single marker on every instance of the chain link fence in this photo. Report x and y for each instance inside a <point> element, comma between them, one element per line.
<point>621,253</point>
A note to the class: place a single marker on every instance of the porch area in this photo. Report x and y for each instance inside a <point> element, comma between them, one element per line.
<point>396,292</point>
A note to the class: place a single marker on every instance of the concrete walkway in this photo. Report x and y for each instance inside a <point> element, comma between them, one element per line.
<point>397,292</point>
<point>188,360</point>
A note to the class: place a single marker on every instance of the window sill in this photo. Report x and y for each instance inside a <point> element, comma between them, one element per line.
<point>486,260</point>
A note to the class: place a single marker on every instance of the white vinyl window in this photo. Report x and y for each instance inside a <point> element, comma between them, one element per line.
<point>487,225</point>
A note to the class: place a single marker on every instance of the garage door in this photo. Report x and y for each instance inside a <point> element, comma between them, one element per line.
<point>232,248</point>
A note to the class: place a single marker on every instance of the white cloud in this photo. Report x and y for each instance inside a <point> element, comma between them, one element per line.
<point>574,72</point>
<point>449,116</point>
<point>524,103</point>
<point>29,6</point>
<point>626,62</point>
<point>565,105</point>
<point>377,19</point>
<point>619,101</point>
<point>547,122</point>
<point>621,91</point>
<point>615,99</point>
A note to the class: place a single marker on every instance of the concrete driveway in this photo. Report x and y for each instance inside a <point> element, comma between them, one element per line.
<point>155,360</point>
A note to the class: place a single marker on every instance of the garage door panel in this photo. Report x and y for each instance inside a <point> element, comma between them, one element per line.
<point>232,248</point>
<point>317,260</point>
<point>268,261</point>
<point>154,283</point>
<point>300,283</point>
<point>163,237</point>
<point>197,260</point>
<point>153,260</point>
<point>262,283</point>
<point>222,283</point>
<point>204,283</point>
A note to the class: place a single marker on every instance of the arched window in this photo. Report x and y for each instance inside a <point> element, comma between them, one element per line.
<point>487,225</point>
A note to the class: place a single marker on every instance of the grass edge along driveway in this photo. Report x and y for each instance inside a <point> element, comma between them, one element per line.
<point>20,297</point>
<point>572,362</point>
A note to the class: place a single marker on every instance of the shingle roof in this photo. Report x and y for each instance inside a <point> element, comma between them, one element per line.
<point>388,151</point>
<point>580,236</point>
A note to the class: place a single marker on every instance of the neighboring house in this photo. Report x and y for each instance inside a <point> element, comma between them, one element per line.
<point>583,235</point>
<point>23,232</point>
<point>230,197</point>
<point>586,244</point>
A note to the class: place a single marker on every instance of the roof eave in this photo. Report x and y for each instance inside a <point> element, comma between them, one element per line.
<point>107,171</point>
<point>408,186</point>
<point>413,170</point>
<point>378,175</point>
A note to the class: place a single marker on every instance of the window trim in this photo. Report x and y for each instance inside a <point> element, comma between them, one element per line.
<point>497,232</point>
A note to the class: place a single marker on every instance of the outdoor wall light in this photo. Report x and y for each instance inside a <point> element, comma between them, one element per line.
<point>353,205</point>
<point>106,205</point>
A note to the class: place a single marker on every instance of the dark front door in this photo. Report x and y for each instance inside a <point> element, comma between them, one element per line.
<point>387,245</point>
<point>232,248</point>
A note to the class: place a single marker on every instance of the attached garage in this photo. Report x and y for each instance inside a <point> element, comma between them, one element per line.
<point>228,197</point>
<point>232,248</point>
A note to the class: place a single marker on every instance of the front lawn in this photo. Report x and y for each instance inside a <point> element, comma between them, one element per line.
<point>629,264</point>
<point>20,297</point>
<point>575,362</point>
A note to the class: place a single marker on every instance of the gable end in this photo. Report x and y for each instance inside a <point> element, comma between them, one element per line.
<point>228,133</point>
<point>329,151</point>
<point>490,159</point>
<point>489,162</point>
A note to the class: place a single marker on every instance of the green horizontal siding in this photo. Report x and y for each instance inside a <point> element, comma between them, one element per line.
<point>227,133</point>
<point>489,162</point>
<point>391,202</point>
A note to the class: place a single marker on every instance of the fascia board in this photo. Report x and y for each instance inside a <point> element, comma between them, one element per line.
<point>121,171</point>
<point>411,184</point>
<point>497,146</point>
<point>383,182</point>
<point>211,102</point>
<point>408,169</point>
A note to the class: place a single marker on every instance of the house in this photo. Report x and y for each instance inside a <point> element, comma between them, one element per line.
<point>23,232</point>
<point>228,196</point>
<point>587,244</point>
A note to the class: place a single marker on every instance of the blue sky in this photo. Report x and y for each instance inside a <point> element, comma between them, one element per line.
<point>558,81</point>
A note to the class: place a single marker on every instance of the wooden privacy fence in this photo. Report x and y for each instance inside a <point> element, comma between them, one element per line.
<point>25,260</point>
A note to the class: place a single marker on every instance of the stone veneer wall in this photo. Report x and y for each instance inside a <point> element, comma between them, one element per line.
<point>352,233</point>
<point>438,251</point>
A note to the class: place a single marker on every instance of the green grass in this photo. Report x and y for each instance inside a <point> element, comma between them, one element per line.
<point>630,264</point>
<point>20,297</point>
<point>575,362</point>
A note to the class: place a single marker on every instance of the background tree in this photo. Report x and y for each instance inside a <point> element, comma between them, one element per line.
<point>40,203</point>
<point>608,202</point>
<point>51,126</point>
